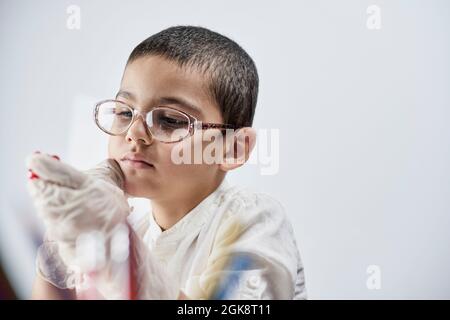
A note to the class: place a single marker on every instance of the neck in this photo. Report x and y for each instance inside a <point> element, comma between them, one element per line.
<point>168,212</point>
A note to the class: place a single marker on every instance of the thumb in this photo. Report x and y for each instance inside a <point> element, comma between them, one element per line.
<point>108,170</point>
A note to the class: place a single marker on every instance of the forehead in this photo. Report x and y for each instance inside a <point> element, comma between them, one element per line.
<point>151,79</point>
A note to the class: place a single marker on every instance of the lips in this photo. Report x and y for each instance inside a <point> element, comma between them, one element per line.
<point>136,160</point>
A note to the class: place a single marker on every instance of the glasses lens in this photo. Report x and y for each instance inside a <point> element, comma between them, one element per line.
<point>168,125</point>
<point>114,117</point>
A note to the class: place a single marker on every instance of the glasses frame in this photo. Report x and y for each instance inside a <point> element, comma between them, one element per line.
<point>194,123</point>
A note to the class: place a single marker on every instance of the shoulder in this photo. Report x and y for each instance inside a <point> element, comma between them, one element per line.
<point>252,208</point>
<point>255,225</point>
<point>257,222</point>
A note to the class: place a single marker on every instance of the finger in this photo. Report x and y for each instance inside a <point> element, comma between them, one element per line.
<point>33,175</point>
<point>44,194</point>
<point>50,169</point>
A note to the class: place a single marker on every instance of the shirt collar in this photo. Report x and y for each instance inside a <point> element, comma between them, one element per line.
<point>192,220</point>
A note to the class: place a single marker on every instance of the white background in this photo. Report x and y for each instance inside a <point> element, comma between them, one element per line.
<point>363,117</point>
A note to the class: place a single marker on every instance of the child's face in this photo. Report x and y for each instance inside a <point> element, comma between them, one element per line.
<point>150,82</point>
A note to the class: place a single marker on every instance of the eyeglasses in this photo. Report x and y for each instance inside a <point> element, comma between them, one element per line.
<point>166,124</point>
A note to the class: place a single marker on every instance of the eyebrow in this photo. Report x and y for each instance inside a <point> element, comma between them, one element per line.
<point>125,94</point>
<point>164,100</point>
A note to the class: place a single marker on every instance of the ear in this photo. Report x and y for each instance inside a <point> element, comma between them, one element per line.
<point>238,148</point>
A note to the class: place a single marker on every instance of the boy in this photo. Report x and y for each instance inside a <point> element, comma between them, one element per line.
<point>178,85</point>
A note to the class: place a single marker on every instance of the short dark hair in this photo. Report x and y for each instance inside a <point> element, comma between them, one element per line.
<point>233,78</point>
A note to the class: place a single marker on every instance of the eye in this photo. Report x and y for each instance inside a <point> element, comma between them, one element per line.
<point>173,122</point>
<point>124,114</point>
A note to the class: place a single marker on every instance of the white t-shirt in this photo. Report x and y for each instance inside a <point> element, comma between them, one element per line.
<point>231,222</point>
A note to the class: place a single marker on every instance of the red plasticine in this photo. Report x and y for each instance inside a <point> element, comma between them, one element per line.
<point>33,175</point>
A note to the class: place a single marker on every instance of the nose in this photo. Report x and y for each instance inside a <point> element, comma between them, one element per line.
<point>138,132</point>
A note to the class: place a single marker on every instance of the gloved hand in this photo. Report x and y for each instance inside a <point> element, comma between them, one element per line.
<point>74,203</point>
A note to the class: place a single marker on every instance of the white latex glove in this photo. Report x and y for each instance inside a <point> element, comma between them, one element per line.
<point>73,203</point>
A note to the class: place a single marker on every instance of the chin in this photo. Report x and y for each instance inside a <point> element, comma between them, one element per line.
<point>138,190</point>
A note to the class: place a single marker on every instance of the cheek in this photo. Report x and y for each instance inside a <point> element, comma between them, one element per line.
<point>110,153</point>
<point>114,144</point>
<point>166,153</point>
<point>184,159</point>
<point>178,156</point>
